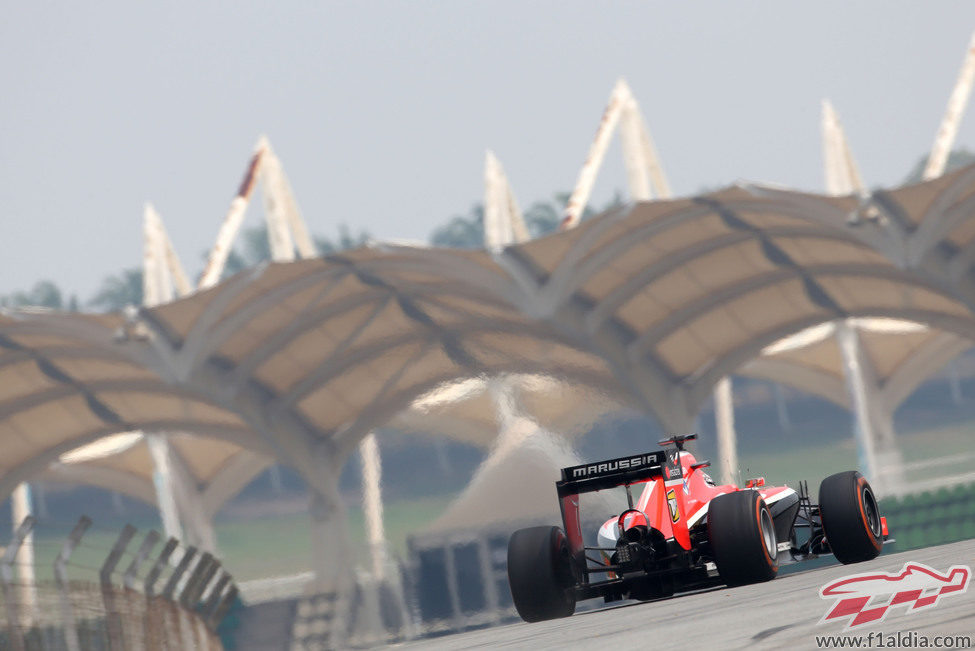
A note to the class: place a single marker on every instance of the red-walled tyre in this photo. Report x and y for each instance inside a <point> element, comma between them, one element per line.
<point>742,536</point>
<point>540,574</point>
<point>851,517</point>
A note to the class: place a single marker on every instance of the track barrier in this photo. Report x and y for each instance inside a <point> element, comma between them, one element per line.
<point>138,600</point>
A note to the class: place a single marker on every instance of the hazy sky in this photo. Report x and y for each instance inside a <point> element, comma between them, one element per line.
<point>381,111</point>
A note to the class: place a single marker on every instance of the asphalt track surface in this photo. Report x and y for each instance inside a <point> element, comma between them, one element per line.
<point>781,614</point>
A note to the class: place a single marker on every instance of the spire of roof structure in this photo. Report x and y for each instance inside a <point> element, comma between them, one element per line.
<point>232,221</point>
<point>286,228</point>
<point>644,172</point>
<point>503,221</point>
<point>163,277</point>
<point>944,140</point>
<point>643,169</point>
<point>597,151</point>
<point>841,170</point>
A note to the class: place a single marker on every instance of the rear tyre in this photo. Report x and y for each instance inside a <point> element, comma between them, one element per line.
<point>540,574</point>
<point>742,537</point>
<point>851,517</point>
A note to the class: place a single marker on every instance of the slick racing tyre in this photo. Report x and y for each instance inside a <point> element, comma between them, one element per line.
<point>851,518</point>
<point>540,574</point>
<point>742,537</point>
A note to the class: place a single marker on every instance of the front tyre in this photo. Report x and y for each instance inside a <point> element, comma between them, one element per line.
<point>851,517</point>
<point>742,537</point>
<point>540,574</point>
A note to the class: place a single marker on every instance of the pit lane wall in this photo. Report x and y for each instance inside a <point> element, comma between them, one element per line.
<point>145,598</point>
<point>930,518</point>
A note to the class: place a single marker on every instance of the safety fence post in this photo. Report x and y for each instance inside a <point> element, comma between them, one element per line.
<point>113,618</point>
<point>61,580</point>
<point>189,555</point>
<point>155,620</point>
<point>198,580</point>
<point>129,578</point>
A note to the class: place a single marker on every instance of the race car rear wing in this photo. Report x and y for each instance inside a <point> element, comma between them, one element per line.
<point>594,477</point>
<point>600,475</point>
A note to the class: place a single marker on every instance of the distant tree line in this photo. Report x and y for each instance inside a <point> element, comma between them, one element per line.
<point>125,287</point>
<point>541,218</point>
<point>44,293</point>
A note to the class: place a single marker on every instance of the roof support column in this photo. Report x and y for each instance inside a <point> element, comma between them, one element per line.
<point>668,404</point>
<point>199,524</point>
<point>385,579</point>
<point>331,552</point>
<point>20,508</point>
<point>724,421</point>
<point>189,501</point>
<point>162,479</point>
<point>879,458</point>
<point>372,502</point>
<point>849,343</point>
<point>179,499</point>
<point>332,559</point>
<point>781,408</point>
<point>890,460</point>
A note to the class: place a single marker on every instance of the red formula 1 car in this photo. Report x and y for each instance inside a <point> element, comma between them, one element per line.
<point>683,533</point>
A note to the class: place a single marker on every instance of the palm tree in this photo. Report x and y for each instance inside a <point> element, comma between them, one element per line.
<point>462,231</point>
<point>119,290</point>
<point>44,293</point>
<point>345,242</point>
<point>957,158</point>
<point>542,218</point>
<point>253,247</point>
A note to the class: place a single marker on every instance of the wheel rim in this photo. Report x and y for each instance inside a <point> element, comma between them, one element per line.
<point>768,533</point>
<point>871,512</point>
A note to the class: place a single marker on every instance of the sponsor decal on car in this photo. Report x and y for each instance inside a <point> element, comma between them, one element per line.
<point>868,598</point>
<point>672,503</point>
<point>612,466</point>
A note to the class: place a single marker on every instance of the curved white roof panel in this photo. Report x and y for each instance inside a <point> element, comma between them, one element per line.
<point>650,304</point>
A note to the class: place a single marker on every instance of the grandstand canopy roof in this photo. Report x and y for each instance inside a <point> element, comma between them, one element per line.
<point>64,382</point>
<point>897,356</point>
<point>122,462</point>
<point>466,410</point>
<point>218,469</point>
<point>927,226</point>
<point>650,304</point>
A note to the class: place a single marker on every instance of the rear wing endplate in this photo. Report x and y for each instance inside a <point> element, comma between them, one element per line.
<point>601,475</point>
